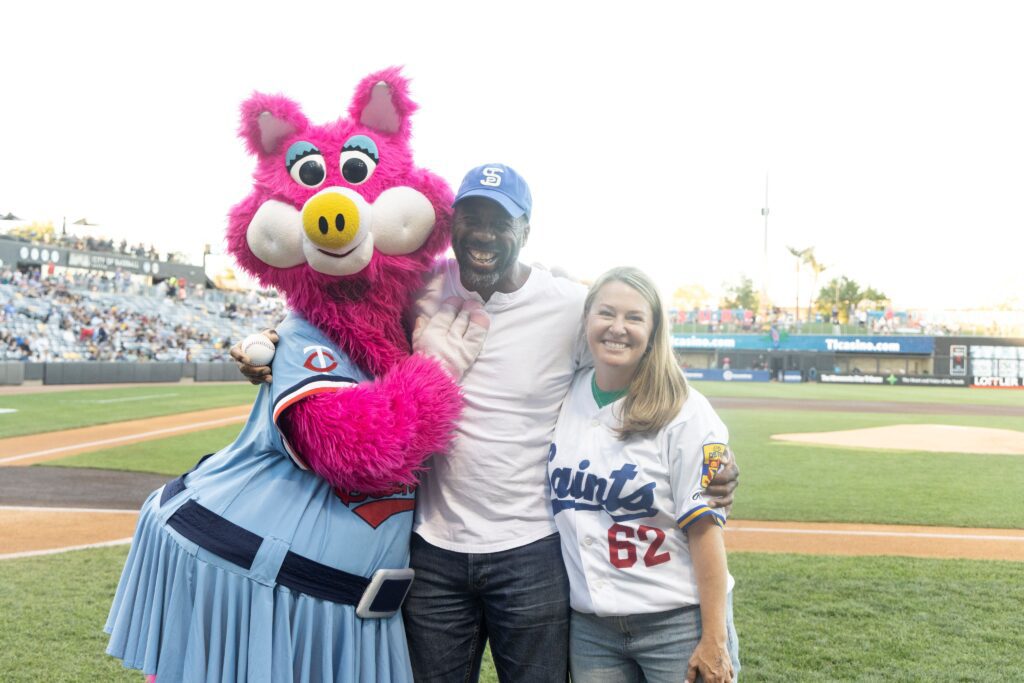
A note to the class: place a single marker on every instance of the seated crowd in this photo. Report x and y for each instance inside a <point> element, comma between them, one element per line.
<point>92,317</point>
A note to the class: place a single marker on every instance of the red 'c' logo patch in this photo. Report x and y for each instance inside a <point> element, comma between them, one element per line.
<point>320,360</point>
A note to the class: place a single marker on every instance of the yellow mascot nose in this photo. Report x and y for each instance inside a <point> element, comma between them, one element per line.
<point>331,220</point>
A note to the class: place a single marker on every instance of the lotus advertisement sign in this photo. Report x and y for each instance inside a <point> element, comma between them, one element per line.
<point>808,342</point>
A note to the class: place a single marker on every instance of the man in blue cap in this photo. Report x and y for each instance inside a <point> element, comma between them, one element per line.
<point>490,225</point>
<point>487,558</point>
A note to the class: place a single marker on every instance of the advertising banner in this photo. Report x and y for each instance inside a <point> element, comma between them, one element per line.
<point>998,382</point>
<point>729,375</point>
<point>895,380</point>
<point>807,342</point>
<point>93,261</point>
<point>14,252</point>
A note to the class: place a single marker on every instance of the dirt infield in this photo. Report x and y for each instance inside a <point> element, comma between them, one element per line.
<point>42,509</point>
<point>931,438</point>
<point>874,539</point>
<point>29,531</point>
<point>887,407</point>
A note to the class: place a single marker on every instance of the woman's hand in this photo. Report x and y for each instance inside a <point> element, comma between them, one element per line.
<point>711,660</point>
<point>711,657</point>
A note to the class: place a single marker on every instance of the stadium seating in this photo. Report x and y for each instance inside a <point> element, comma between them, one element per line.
<point>55,319</point>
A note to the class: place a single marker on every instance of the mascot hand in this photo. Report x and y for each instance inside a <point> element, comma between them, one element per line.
<point>454,335</point>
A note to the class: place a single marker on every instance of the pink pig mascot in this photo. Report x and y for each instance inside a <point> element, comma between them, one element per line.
<point>283,557</point>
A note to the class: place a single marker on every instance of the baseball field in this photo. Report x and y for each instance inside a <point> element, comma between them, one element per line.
<point>878,532</point>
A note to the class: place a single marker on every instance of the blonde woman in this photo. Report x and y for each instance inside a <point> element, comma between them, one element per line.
<point>634,449</point>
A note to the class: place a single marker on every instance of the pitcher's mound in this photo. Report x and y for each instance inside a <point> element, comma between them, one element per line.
<point>918,437</point>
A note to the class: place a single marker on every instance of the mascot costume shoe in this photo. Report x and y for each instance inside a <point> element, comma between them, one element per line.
<point>283,557</point>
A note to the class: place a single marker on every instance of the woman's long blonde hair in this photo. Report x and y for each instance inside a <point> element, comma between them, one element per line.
<point>657,391</point>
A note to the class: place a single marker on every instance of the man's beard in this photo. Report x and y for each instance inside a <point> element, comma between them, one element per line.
<point>472,278</point>
<point>474,281</point>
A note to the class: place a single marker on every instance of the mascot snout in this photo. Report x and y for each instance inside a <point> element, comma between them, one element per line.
<point>332,221</point>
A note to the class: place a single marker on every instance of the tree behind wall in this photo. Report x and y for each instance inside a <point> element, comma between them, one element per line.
<point>846,295</point>
<point>741,295</point>
<point>876,297</point>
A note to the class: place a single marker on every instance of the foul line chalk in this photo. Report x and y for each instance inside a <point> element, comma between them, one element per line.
<point>55,551</point>
<point>129,437</point>
<point>120,400</point>
<point>894,534</point>
<point>33,508</point>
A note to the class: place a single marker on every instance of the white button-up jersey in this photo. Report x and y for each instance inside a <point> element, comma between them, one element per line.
<point>622,507</point>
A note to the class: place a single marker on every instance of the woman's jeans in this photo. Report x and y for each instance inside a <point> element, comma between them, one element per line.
<point>641,647</point>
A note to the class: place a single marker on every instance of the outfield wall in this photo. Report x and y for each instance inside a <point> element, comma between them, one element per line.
<point>965,361</point>
<point>14,373</point>
<point>910,360</point>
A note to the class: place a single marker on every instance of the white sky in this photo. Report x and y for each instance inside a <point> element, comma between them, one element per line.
<point>892,132</point>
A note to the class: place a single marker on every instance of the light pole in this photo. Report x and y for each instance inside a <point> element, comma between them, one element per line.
<point>764,279</point>
<point>206,277</point>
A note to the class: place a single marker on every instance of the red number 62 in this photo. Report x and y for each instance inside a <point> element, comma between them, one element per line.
<point>617,546</point>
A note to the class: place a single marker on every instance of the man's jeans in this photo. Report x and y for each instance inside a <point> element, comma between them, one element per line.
<point>519,599</point>
<point>655,648</point>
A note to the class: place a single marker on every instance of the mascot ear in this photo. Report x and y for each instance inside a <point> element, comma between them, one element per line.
<point>381,102</point>
<point>268,119</point>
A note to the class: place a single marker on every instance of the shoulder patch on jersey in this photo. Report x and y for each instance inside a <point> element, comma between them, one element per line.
<point>713,453</point>
<point>320,360</point>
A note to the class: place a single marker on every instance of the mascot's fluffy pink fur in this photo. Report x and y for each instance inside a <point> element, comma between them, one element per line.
<point>250,566</point>
<point>380,433</point>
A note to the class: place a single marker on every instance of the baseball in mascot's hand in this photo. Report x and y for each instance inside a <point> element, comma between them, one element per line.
<point>259,350</point>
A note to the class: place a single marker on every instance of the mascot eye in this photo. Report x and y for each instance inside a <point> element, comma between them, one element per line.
<point>357,166</point>
<point>309,171</point>
<point>305,164</point>
<point>359,158</point>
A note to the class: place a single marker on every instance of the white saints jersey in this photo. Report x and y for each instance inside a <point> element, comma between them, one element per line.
<point>622,507</point>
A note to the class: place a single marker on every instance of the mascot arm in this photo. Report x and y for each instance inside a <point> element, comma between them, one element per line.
<point>377,434</point>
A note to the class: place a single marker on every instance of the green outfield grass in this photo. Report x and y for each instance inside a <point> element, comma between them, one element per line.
<point>54,411</point>
<point>798,482</point>
<point>780,481</point>
<point>836,392</point>
<point>810,618</point>
<point>800,618</point>
<point>170,456</point>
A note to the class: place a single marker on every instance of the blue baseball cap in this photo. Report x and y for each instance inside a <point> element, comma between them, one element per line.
<point>499,183</point>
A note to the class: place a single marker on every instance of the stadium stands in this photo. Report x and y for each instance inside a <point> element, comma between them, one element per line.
<point>94,317</point>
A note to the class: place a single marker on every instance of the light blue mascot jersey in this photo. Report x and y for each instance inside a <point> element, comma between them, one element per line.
<point>305,363</point>
<point>184,612</point>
